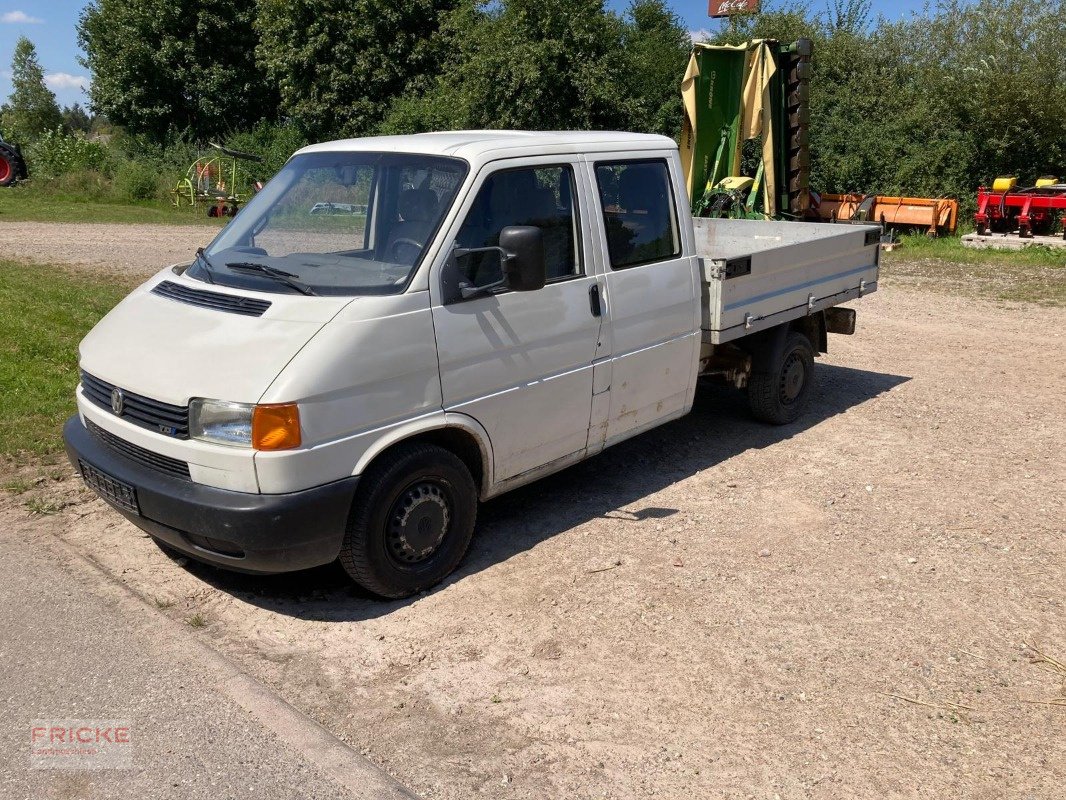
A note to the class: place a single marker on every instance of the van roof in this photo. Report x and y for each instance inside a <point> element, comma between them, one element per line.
<point>480,146</point>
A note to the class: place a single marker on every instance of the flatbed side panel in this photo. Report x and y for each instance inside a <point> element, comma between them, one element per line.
<point>795,268</point>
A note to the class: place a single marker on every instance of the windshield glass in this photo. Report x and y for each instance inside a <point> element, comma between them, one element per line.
<point>336,223</point>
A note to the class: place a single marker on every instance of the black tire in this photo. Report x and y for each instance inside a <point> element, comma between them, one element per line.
<point>779,394</point>
<point>9,167</point>
<point>411,522</point>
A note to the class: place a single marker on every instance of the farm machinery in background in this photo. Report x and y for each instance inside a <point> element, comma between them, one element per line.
<point>745,143</point>
<point>1034,210</point>
<point>755,92</point>
<point>934,216</point>
<point>12,164</point>
<point>218,182</point>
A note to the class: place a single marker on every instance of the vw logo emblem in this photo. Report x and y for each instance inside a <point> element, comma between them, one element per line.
<point>117,401</point>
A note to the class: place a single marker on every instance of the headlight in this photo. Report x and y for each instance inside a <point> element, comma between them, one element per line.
<point>220,422</point>
<point>264,427</point>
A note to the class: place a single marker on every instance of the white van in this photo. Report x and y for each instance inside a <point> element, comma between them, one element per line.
<point>490,307</point>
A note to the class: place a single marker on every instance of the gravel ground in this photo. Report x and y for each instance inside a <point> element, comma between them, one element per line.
<point>836,608</point>
<point>134,249</point>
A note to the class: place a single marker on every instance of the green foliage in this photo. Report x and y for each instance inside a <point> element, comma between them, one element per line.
<point>135,180</point>
<point>338,65</point>
<point>57,152</point>
<point>273,142</point>
<point>77,119</point>
<point>552,65</point>
<point>540,64</point>
<point>82,185</point>
<point>31,109</point>
<point>160,66</point>
<point>655,48</point>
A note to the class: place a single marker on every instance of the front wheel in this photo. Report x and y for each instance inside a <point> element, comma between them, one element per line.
<point>778,395</point>
<point>411,522</point>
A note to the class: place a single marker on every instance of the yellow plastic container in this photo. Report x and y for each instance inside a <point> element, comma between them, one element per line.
<point>1047,180</point>
<point>1004,184</point>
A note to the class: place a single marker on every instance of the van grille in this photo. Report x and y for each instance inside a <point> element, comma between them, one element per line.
<point>234,304</point>
<point>154,415</point>
<point>161,463</point>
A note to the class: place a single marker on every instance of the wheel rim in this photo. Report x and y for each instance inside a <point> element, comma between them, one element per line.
<point>418,522</point>
<point>5,169</point>
<point>793,378</point>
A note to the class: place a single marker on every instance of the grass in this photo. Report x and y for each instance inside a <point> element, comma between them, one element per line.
<point>29,203</point>
<point>19,485</point>
<point>42,507</point>
<point>44,313</point>
<point>197,621</point>
<point>950,248</point>
<point>1033,275</point>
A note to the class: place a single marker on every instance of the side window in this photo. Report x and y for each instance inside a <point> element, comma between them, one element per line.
<point>638,212</point>
<point>540,196</point>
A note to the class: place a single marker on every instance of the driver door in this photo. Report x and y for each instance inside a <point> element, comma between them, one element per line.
<point>520,363</point>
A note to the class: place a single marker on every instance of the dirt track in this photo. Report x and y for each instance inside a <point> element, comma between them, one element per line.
<point>134,249</point>
<point>717,608</point>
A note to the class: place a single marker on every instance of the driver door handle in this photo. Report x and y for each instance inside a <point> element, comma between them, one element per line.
<point>594,300</point>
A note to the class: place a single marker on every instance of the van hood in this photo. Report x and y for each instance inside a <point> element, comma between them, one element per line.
<point>172,350</point>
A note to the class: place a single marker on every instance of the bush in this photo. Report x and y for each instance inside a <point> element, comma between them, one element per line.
<point>79,186</point>
<point>274,143</point>
<point>137,180</point>
<point>57,153</point>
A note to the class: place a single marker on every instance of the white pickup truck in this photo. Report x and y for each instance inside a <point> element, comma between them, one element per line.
<point>350,385</point>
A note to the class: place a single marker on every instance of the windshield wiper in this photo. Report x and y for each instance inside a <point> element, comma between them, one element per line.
<point>279,275</point>
<point>202,257</point>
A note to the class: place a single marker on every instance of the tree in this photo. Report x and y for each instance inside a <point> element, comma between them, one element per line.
<point>76,119</point>
<point>655,50</point>
<point>159,66</point>
<point>31,109</point>
<point>535,64</point>
<point>338,65</point>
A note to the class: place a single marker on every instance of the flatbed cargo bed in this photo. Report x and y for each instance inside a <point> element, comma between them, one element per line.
<point>756,274</point>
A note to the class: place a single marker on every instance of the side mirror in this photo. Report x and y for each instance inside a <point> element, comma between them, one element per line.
<point>523,257</point>
<point>521,252</point>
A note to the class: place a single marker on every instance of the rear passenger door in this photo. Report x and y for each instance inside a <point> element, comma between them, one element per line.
<point>651,293</point>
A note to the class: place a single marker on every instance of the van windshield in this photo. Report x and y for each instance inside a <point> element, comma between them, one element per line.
<point>336,223</point>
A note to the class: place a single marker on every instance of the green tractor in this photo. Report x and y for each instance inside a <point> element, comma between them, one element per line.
<point>12,164</point>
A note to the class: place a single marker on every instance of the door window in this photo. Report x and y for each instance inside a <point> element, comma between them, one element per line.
<point>638,212</point>
<point>538,196</point>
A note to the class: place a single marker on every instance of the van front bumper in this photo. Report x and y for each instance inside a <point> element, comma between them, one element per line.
<point>263,533</point>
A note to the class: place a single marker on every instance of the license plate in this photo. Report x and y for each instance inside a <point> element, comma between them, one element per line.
<point>119,494</point>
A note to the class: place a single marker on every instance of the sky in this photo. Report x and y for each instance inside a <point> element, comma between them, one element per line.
<point>51,26</point>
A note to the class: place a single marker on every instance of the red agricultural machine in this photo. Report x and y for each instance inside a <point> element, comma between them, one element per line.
<point>1032,210</point>
<point>12,164</point>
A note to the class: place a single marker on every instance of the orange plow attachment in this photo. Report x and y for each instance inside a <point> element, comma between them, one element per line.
<point>935,216</point>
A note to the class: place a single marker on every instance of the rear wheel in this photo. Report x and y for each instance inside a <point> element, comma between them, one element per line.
<point>778,394</point>
<point>8,167</point>
<point>411,522</point>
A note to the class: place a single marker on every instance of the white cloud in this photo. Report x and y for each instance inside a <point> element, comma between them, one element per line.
<point>20,18</point>
<point>702,35</point>
<point>64,80</point>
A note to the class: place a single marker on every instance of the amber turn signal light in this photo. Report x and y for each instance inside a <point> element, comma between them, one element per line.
<point>276,427</point>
